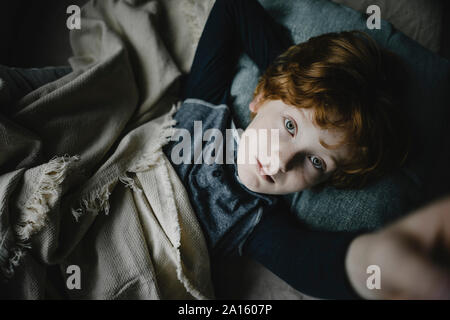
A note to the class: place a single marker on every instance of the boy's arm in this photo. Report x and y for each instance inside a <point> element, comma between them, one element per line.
<point>261,37</point>
<point>412,256</point>
<point>312,262</point>
<point>232,27</point>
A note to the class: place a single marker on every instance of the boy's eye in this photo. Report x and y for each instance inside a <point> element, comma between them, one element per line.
<point>290,126</point>
<point>316,162</point>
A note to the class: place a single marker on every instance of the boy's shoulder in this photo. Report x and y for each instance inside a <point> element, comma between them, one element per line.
<point>199,102</point>
<point>211,115</point>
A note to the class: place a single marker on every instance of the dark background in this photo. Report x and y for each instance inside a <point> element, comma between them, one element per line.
<point>34,33</point>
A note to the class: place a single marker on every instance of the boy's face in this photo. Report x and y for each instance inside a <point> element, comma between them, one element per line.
<point>300,160</point>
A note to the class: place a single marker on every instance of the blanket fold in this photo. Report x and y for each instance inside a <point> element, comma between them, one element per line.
<point>84,181</point>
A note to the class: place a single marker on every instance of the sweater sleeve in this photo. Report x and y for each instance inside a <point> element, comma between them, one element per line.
<point>233,27</point>
<point>313,262</point>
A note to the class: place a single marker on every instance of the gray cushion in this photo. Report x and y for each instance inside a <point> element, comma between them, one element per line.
<point>421,20</point>
<point>427,83</point>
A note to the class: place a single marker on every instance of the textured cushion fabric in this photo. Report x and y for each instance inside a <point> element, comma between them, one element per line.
<point>421,20</point>
<point>427,82</point>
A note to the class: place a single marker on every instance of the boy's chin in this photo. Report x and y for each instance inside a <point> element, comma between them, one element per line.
<point>248,179</point>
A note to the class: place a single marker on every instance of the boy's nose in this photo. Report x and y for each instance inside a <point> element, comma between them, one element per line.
<point>284,162</point>
<point>283,167</point>
<point>282,159</point>
<point>288,158</point>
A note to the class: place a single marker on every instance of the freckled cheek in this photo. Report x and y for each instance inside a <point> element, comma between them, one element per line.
<point>315,176</point>
<point>296,180</point>
<point>303,177</point>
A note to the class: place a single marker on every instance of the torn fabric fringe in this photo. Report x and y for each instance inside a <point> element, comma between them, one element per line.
<point>130,183</point>
<point>152,158</point>
<point>98,200</point>
<point>95,202</point>
<point>48,192</point>
<point>34,213</point>
<point>11,253</point>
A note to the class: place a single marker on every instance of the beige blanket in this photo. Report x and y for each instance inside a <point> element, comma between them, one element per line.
<point>90,206</point>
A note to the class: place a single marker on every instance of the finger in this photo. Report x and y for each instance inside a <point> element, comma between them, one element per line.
<point>417,277</point>
<point>428,224</point>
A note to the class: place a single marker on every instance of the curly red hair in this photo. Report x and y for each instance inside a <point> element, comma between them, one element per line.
<point>348,80</point>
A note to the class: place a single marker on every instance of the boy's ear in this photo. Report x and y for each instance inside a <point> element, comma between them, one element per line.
<point>253,106</point>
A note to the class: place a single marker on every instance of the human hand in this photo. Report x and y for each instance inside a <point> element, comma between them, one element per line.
<point>412,256</point>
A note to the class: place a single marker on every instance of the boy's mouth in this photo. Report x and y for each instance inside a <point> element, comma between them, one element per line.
<point>263,174</point>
